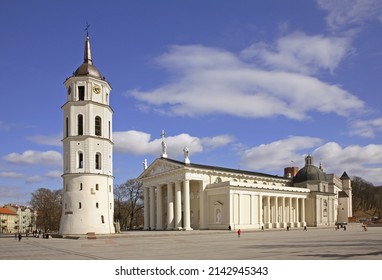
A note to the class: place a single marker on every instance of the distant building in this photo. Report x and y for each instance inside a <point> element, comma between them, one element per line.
<point>8,220</point>
<point>17,218</point>
<point>184,196</point>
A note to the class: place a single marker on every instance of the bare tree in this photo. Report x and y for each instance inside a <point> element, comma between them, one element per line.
<point>48,206</point>
<point>129,203</point>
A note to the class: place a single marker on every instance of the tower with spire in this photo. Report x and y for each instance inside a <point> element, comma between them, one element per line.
<point>88,202</point>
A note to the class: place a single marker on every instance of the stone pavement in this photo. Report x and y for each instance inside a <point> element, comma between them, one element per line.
<point>296,244</point>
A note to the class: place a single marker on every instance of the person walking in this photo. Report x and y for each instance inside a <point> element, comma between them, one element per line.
<point>238,233</point>
<point>20,236</point>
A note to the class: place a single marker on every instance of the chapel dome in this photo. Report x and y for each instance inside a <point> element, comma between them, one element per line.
<point>309,172</point>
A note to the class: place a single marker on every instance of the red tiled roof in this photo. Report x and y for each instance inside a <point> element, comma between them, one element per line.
<point>7,211</point>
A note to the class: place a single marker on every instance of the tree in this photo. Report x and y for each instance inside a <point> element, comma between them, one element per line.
<point>48,206</point>
<point>129,203</point>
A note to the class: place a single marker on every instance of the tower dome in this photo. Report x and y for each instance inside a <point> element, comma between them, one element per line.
<point>87,68</point>
<point>309,172</point>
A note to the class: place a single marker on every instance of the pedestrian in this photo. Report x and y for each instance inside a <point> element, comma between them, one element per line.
<point>287,228</point>
<point>238,233</point>
<point>20,236</point>
<point>305,228</point>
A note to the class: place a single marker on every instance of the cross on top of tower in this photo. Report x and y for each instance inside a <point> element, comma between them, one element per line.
<point>87,29</point>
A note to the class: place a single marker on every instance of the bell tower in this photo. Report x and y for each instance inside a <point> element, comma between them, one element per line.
<point>88,202</point>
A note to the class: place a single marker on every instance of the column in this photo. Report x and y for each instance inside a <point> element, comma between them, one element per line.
<point>178,206</point>
<point>277,220</point>
<point>303,212</point>
<point>283,212</point>
<point>159,209</point>
<point>269,212</point>
<point>297,213</point>
<point>290,212</point>
<point>170,206</point>
<point>202,206</point>
<point>146,209</point>
<point>152,207</point>
<point>261,220</point>
<point>186,204</point>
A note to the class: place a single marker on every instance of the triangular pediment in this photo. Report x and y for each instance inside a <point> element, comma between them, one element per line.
<point>160,166</point>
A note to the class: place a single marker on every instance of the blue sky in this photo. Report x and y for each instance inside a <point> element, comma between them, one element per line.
<point>254,85</point>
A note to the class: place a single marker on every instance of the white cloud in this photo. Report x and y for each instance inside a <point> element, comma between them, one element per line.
<point>351,12</point>
<point>366,128</point>
<point>140,143</point>
<point>11,175</point>
<point>35,179</point>
<point>53,174</point>
<point>356,160</point>
<point>211,81</point>
<point>35,158</point>
<point>217,141</point>
<point>301,53</point>
<point>278,154</point>
<point>51,140</point>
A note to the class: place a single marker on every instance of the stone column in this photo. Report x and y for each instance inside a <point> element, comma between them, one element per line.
<point>202,206</point>
<point>170,206</point>
<point>303,212</point>
<point>146,208</point>
<point>261,221</point>
<point>269,211</point>
<point>283,214</point>
<point>186,204</point>
<point>290,212</point>
<point>277,222</point>
<point>297,213</point>
<point>152,207</point>
<point>159,209</point>
<point>178,206</point>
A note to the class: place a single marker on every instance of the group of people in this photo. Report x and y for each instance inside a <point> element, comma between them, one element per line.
<point>36,233</point>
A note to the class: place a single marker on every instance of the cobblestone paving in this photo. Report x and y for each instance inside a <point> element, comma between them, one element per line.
<point>296,244</point>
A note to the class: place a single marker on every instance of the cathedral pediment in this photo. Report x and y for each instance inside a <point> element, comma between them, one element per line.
<point>159,166</point>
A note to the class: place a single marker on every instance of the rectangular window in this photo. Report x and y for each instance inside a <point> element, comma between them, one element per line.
<point>80,125</point>
<point>96,204</point>
<point>102,219</point>
<point>81,93</point>
<point>80,186</point>
<point>97,187</point>
<point>79,205</point>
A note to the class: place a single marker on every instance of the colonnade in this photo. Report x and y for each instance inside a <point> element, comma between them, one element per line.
<point>282,211</point>
<point>168,207</point>
<point>176,209</point>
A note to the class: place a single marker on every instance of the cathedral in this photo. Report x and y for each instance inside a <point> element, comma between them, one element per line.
<point>180,195</point>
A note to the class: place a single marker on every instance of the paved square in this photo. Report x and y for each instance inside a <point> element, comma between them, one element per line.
<point>296,244</point>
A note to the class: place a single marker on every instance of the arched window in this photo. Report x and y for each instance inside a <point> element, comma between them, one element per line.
<point>98,126</point>
<point>80,125</point>
<point>98,161</point>
<point>80,160</point>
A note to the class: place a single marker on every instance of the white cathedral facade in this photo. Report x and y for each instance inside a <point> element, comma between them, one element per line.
<point>180,195</point>
<point>88,200</point>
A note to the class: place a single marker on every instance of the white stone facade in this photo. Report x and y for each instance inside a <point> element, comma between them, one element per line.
<point>88,200</point>
<point>186,196</point>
